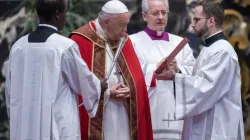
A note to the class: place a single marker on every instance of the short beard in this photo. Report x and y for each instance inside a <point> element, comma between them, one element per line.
<point>202,32</point>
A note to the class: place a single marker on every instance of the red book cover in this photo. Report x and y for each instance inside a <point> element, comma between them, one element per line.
<point>173,54</point>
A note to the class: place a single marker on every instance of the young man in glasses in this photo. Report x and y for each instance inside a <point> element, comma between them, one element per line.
<point>209,99</point>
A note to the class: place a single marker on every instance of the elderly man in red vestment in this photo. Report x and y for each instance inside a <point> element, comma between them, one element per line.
<point>124,112</point>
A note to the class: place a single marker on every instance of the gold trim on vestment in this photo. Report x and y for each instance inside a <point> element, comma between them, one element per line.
<point>88,39</point>
<point>98,67</point>
<point>129,81</point>
<point>96,126</point>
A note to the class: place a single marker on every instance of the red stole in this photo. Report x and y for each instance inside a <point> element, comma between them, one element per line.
<point>92,49</point>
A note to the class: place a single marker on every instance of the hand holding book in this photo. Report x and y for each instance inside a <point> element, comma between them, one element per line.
<point>168,67</point>
<point>171,57</point>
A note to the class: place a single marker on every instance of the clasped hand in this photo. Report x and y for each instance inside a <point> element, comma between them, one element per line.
<point>119,92</point>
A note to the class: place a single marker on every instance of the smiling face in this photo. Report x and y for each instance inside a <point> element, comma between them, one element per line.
<point>157,15</point>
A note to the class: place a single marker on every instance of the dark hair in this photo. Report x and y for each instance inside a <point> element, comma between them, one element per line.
<point>47,8</point>
<point>213,8</point>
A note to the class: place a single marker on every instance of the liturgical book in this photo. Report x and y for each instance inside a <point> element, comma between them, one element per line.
<point>173,54</point>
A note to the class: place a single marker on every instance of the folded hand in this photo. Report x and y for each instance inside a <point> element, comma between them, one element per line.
<point>119,92</point>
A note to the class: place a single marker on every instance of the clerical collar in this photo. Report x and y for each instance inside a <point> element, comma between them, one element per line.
<point>156,35</point>
<point>213,38</point>
<point>99,29</point>
<point>42,33</point>
<point>50,26</point>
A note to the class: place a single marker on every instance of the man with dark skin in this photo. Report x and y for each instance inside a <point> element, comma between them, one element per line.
<point>44,74</point>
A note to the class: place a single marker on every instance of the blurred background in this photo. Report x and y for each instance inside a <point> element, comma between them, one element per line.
<point>18,17</point>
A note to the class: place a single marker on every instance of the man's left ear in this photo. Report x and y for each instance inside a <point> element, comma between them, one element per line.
<point>211,21</point>
<point>57,15</point>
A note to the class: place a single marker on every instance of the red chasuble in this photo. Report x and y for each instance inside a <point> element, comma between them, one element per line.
<point>92,48</point>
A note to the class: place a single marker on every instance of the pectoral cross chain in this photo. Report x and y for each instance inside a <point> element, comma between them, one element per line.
<point>118,74</point>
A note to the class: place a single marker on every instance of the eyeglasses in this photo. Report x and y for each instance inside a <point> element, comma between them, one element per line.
<point>196,20</point>
<point>157,13</point>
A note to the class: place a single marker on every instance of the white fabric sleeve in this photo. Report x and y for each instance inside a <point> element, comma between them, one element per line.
<point>188,61</point>
<point>148,71</point>
<point>7,86</point>
<point>81,79</point>
<point>199,93</point>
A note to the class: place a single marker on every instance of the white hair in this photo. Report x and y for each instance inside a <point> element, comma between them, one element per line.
<point>102,15</point>
<point>144,4</point>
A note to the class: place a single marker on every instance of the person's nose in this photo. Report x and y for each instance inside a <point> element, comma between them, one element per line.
<point>193,25</point>
<point>160,16</point>
<point>124,31</point>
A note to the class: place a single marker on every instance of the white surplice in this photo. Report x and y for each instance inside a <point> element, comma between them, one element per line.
<point>116,124</point>
<point>161,98</point>
<point>210,99</point>
<point>42,80</point>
